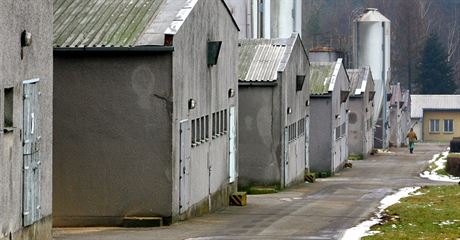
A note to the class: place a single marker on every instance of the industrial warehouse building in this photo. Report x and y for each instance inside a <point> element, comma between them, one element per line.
<point>330,89</point>
<point>145,110</point>
<point>26,84</point>
<point>274,112</point>
<point>361,106</point>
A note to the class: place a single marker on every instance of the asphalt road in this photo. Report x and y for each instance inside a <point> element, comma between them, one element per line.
<point>323,210</point>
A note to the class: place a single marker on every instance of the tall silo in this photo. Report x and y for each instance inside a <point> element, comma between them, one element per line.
<point>371,47</point>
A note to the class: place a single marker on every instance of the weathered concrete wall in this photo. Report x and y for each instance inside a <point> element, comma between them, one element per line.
<point>356,131</point>
<point>112,138</point>
<point>321,134</point>
<point>260,136</point>
<point>264,119</point>
<point>15,17</point>
<point>395,125</point>
<point>328,113</point>
<point>340,146</point>
<point>297,65</point>
<point>209,86</point>
<point>360,133</point>
<point>241,10</point>
<point>417,125</point>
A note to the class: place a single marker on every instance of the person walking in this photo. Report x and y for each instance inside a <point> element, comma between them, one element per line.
<point>412,138</point>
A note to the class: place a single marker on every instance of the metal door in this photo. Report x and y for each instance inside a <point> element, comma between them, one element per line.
<point>307,142</point>
<point>31,152</point>
<point>232,145</point>
<point>184,166</point>
<point>286,155</point>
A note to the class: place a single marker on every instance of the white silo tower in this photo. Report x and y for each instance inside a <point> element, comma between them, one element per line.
<point>371,47</point>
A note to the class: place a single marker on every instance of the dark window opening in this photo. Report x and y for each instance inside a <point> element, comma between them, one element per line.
<point>8,108</point>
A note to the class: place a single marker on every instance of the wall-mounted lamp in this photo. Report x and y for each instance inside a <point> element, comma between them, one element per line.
<point>289,110</point>
<point>26,38</point>
<point>231,92</point>
<point>307,103</point>
<point>347,110</point>
<point>191,104</point>
<point>337,116</point>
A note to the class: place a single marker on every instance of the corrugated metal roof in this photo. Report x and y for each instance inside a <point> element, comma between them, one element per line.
<point>356,77</point>
<point>99,23</point>
<point>260,59</point>
<point>433,102</point>
<point>320,77</point>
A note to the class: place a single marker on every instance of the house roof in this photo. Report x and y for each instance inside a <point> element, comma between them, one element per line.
<point>118,23</point>
<point>323,76</point>
<point>262,59</point>
<point>419,103</point>
<point>358,80</point>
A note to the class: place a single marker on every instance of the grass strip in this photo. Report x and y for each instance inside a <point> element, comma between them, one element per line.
<point>433,215</point>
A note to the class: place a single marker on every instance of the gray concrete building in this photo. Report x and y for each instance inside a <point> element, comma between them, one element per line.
<point>26,82</point>
<point>146,101</point>
<point>361,106</point>
<point>274,112</point>
<point>330,89</point>
<point>396,106</point>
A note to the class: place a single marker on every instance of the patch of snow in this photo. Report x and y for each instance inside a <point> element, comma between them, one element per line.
<point>443,223</point>
<point>363,229</point>
<point>286,199</point>
<point>440,163</point>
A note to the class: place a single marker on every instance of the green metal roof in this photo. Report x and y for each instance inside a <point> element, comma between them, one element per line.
<point>101,23</point>
<point>320,77</point>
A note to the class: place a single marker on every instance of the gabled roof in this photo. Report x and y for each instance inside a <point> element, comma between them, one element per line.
<point>433,102</point>
<point>118,23</point>
<point>358,80</point>
<point>323,76</point>
<point>262,59</point>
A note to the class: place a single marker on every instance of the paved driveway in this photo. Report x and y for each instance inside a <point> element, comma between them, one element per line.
<point>323,210</point>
